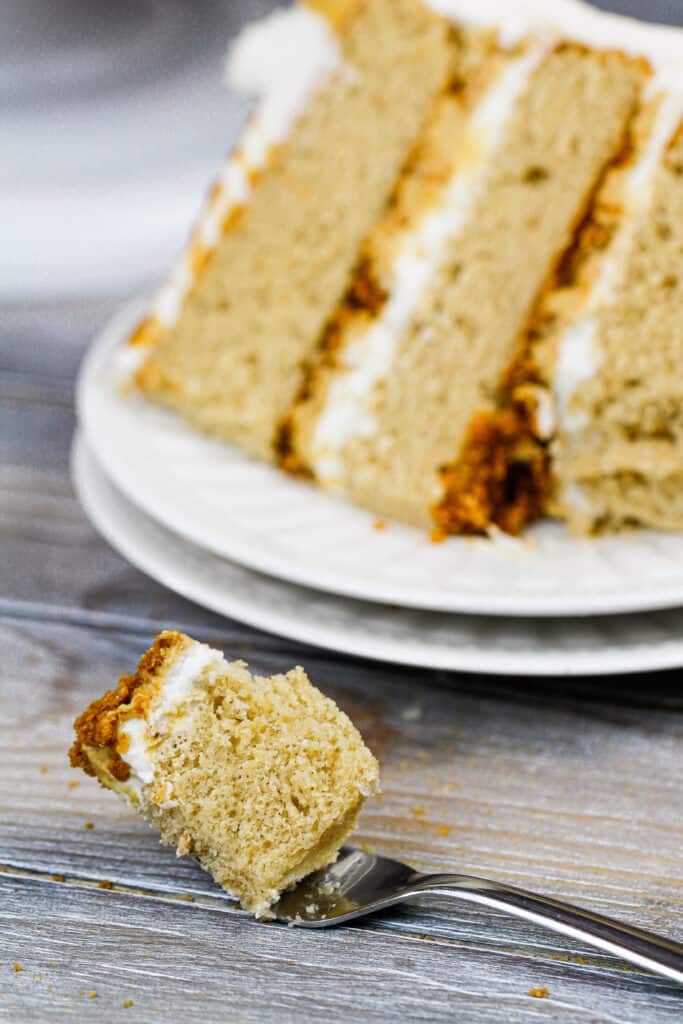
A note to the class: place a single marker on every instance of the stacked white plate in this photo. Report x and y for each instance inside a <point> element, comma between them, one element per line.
<point>247,541</point>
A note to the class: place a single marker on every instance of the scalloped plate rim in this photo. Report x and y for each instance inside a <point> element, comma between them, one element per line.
<point>128,530</point>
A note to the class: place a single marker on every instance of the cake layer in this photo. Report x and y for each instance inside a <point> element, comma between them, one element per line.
<point>259,297</point>
<point>260,779</point>
<point>401,256</point>
<point>451,358</point>
<point>618,366</point>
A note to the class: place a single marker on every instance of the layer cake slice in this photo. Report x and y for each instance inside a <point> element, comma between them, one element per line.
<point>440,273</point>
<point>260,779</point>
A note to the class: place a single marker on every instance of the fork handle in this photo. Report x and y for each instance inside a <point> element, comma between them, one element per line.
<point>657,954</point>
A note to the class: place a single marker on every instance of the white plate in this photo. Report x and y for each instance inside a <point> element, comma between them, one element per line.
<point>471,643</point>
<point>216,497</point>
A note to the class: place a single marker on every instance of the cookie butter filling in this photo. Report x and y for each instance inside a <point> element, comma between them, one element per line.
<point>138,735</point>
<point>369,357</point>
<point>283,60</point>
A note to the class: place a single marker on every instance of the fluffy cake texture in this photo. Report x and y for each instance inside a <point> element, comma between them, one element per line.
<point>441,274</point>
<point>232,363</point>
<point>260,779</point>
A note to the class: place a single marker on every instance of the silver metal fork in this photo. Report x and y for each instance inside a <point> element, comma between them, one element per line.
<point>360,883</point>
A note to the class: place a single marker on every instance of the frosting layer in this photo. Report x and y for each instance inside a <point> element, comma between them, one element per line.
<point>368,358</point>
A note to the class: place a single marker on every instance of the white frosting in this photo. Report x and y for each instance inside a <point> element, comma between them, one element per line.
<point>578,359</point>
<point>136,756</point>
<point>283,59</point>
<point>176,686</point>
<point>368,358</point>
<point>574,19</point>
<point>166,306</point>
<point>514,20</point>
<point>129,359</point>
<point>545,415</point>
<point>579,356</point>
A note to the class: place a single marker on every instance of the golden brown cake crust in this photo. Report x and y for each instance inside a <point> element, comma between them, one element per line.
<point>98,725</point>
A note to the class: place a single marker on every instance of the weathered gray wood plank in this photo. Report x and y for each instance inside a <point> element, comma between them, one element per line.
<point>572,787</point>
<point>494,783</point>
<point>199,963</point>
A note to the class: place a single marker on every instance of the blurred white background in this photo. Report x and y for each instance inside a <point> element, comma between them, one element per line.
<point>114,117</point>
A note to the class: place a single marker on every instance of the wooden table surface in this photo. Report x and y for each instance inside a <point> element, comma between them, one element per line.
<point>572,787</point>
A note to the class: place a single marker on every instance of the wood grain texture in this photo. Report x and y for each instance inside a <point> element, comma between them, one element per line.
<point>212,966</point>
<point>572,787</point>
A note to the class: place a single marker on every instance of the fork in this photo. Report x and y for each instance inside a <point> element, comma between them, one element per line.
<point>360,883</point>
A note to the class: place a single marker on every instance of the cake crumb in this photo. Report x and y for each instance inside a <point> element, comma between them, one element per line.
<point>105,884</point>
<point>44,769</point>
<point>444,830</point>
<point>292,963</point>
<point>539,993</point>
<point>127,1003</point>
<point>17,968</point>
<point>418,812</point>
<point>184,844</point>
<point>380,524</point>
<point>58,878</point>
<point>73,783</point>
<point>581,960</point>
<point>92,995</point>
<point>88,825</point>
<point>187,897</point>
